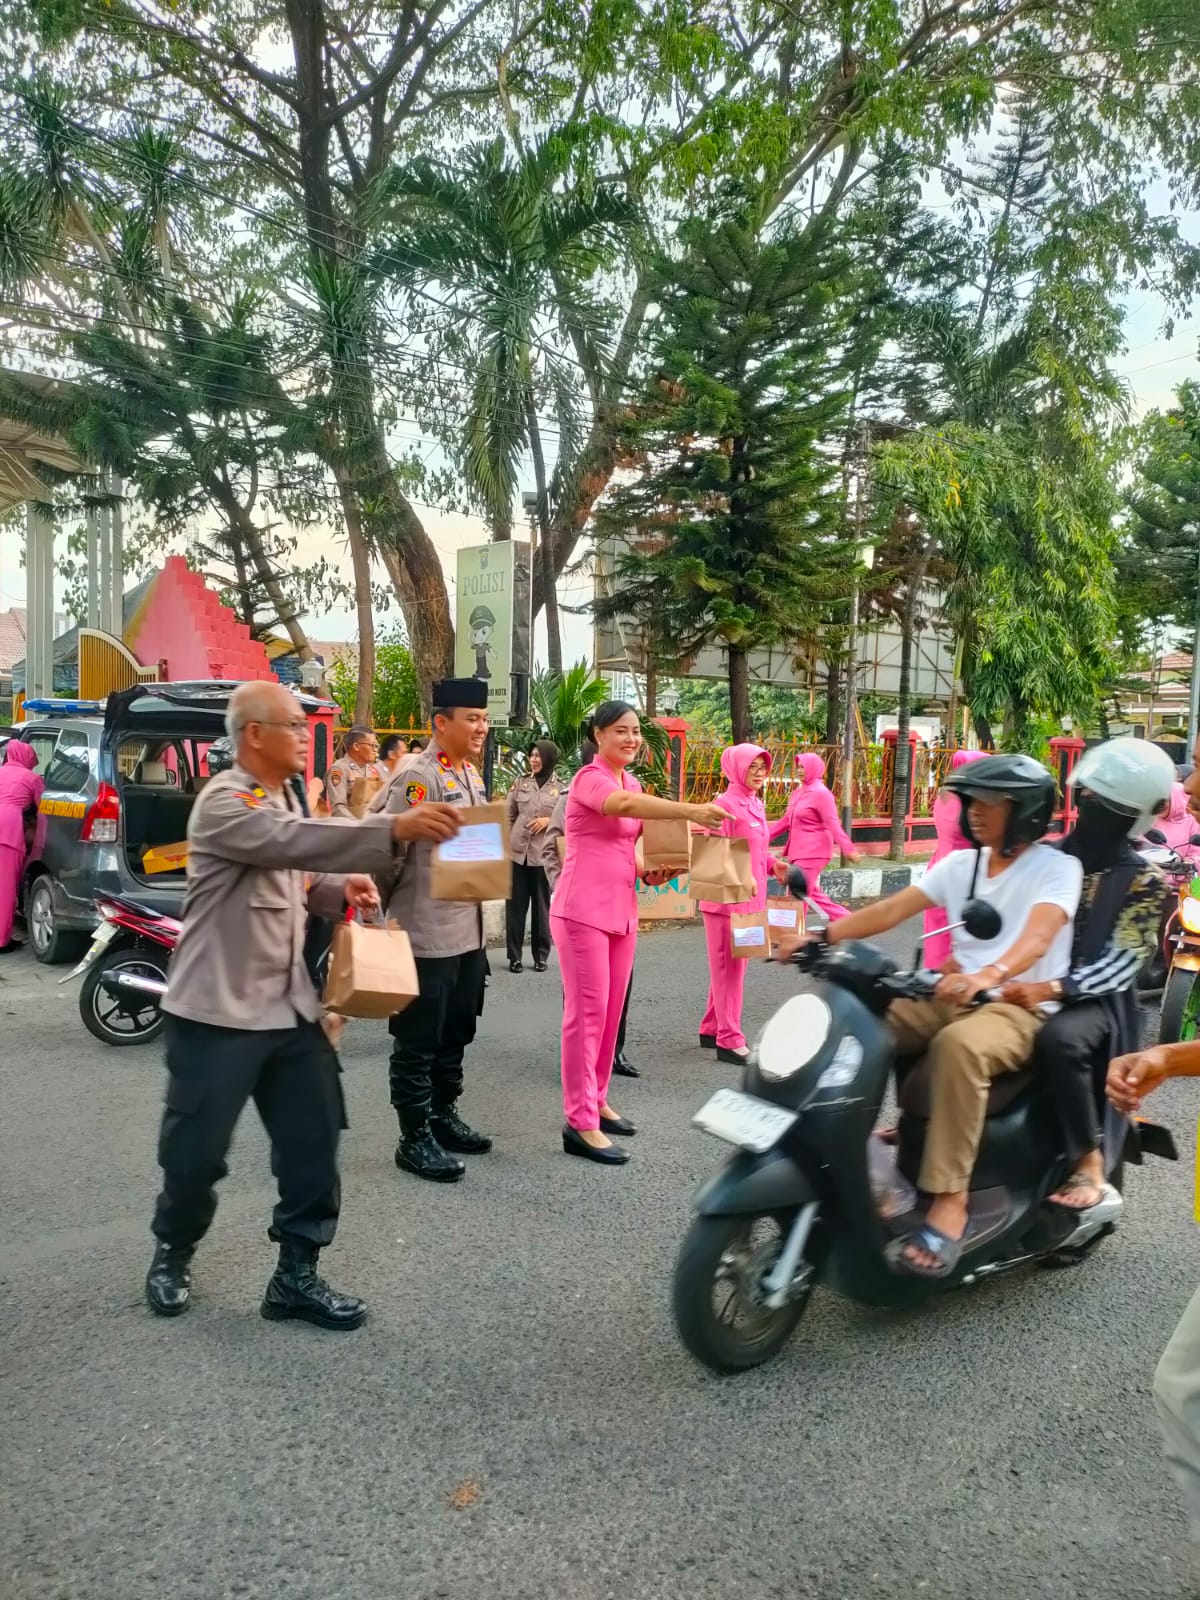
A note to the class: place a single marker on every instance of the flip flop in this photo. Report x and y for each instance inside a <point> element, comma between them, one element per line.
<point>932,1240</point>
<point>1074,1183</point>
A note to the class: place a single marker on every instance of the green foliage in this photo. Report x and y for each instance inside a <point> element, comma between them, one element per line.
<point>736,516</point>
<point>395,693</point>
<point>1162,547</point>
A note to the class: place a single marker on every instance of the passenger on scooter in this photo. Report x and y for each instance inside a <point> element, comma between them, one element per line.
<point>1122,787</point>
<point>1007,804</point>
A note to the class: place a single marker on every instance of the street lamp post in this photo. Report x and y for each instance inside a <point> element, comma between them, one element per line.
<point>1194,694</point>
<point>867,556</point>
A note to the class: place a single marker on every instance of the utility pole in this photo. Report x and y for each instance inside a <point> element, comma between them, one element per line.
<point>850,713</point>
<point>1194,694</point>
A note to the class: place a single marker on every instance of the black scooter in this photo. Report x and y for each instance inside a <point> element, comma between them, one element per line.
<point>794,1207</point>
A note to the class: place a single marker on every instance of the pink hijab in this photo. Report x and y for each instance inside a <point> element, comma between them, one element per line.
<point>811,766</point>
<point>736,761</point>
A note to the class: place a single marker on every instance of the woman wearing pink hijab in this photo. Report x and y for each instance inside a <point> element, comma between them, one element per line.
<point>947,821</point>
<point>814,831</point>
<point>1178,825</point>
<point>20,791</point>
<point>745,767</point>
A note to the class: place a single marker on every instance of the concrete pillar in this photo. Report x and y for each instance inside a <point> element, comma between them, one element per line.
<point>39,578</point>
<point>104,523</point>
<point>93,567</point>
<point>116,602</point>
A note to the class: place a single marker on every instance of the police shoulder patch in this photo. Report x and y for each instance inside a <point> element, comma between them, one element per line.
<point>336,777</point>
<point>414,793</point>
<point>247,798</point>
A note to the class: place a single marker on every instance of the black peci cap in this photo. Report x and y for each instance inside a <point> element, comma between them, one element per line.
<point>470,693</point>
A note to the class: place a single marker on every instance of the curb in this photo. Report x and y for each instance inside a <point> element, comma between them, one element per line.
<point>870,883</point>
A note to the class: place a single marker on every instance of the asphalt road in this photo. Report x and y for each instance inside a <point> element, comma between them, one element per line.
<point>518,1419</point>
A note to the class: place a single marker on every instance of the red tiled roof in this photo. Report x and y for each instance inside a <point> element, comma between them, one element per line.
<point>12,637</point>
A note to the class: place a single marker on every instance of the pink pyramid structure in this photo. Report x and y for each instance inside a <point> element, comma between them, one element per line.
<point>182,622</point>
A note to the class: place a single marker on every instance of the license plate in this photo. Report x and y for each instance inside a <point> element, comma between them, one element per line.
<point>741,1119</point>
<point>101,939</point>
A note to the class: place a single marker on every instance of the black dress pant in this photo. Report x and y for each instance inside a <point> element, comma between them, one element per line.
<point>530,888</point>
<point>292,1075</point>
<point>619,1051</point>
<point>430,1037</point>
<point>1072,1050</point>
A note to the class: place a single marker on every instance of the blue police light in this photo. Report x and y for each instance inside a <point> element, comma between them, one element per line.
<point>64,708</point>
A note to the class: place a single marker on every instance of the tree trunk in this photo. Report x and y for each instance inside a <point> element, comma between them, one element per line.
<point>545,541</point>
<point>651,683</point>
<point>360,560</point>
<point>983,731</point>
<point>902,777</point>
<point>833,696</point>
<point>739,695</point>
<point>246,533</point>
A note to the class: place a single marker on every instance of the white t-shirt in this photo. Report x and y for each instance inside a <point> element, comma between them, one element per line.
<point>1042,876</point>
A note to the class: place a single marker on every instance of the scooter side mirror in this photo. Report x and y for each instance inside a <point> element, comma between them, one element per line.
<point>1195,839</point>
<point>1157,836</point>
<point>981,920</point>
<point>797,883</point>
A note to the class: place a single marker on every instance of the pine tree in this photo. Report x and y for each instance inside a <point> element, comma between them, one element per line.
<point>1160,561</point>
<point>736,518</point>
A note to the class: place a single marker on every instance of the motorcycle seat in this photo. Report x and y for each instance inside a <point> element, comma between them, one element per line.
<point>916,1090</point>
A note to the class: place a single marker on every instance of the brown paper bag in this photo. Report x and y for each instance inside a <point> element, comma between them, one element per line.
<point>371,971</point>
<point>474,865</point>
<point>749,939</point>
<point>362,791</point>
<point>665,901</point>
<point>666,846</point>
<point>720,870</point>
<point>784,916</point>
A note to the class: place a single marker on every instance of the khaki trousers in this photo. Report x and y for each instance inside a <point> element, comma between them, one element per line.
<point>1177,1401</point>
<point>965,1049</point>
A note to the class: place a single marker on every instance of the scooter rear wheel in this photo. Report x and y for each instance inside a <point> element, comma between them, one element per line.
<point>126,1018</point>
<point>717,1292</point>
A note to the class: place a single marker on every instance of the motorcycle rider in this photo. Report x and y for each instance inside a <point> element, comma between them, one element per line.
<point>1122,786</point>
<point>1007,803</point>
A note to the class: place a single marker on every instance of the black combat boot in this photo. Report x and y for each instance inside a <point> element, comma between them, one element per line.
<point>169,1281</point>
<point>452,1133</point>
<point>419,1151</point>
<point>297,1290</point>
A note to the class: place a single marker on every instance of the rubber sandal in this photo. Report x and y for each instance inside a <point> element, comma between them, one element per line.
<point>947,1250</point>
<point>1077,1181</point>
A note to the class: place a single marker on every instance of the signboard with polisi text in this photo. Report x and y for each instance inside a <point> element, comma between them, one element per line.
<point>492,622</point>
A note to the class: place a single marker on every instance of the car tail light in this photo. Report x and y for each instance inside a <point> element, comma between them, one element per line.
<point>103,817</point>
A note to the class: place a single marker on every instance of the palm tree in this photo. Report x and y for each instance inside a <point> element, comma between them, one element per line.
<point>520,245</point>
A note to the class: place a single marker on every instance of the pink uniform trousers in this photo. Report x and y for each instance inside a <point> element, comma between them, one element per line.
<point>596,968</point>
<point>726,985</point>
<point>938,946</point>
<point>812,870</point>
<point>11,862</point>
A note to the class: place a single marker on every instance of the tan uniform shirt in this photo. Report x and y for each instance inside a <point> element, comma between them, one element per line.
<point>434,927</point>
<point>555,835</point>
<point>240,958</point>
<point>526,802</point>
<point>340,780</point>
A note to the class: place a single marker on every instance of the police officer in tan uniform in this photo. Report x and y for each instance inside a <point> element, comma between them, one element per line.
<point>242,1017</point>
<point>430,1037</point>
<point>531,804</point>
<point>358,766</point>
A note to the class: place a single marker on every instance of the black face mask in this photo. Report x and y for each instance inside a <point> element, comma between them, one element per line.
<point>1099,835</point>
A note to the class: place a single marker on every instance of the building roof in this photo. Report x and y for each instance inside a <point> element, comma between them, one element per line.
<point>12,638</point>
<point>24,449</point>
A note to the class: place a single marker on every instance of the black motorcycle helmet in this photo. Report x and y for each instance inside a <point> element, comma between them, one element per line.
<point>220,756</point>
<point>1020,779</point>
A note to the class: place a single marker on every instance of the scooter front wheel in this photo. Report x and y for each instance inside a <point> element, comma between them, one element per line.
<point>718,1294</point>
<point>1180,1016</point>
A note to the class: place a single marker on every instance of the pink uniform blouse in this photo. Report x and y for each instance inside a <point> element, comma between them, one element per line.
<point>598,882</point>
<point>812,825</point>
<point>748,820</point>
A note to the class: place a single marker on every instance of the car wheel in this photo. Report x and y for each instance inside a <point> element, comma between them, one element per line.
<point>51,943</point>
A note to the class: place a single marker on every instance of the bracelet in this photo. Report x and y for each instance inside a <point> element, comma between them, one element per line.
<point>997,966</point>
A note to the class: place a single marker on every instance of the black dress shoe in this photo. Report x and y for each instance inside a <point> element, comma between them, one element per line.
<point>452,1133</point>
<point>540,966</point>
<point>621,1126</point>
<point>624,1068</point>
<point>609,1156</point>
<point>169,1281</point>
<point>516,966</point>
<point>732,1056</point>
<point>420,1153</point>
<point>708,1041</point>
<point>298,1291</point>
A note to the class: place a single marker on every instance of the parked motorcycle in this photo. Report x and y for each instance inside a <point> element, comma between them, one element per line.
<point>796,1205</point>
<point>1178,872</point>
<point>125,972</point>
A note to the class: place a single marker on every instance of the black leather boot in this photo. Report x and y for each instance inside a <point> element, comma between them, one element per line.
<point>419,1152</point>
<point>169,1281</point>
<point>452,1133</point>
<point>297,1290</point>
<point>623,1067</point>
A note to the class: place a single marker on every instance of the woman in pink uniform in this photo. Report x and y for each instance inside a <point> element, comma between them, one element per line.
<point>20,790</point>
<point>593,917</point>
<point>1178,825</point>
<point>745,767</point>
<point>947,820</point>
<point>814,831</point>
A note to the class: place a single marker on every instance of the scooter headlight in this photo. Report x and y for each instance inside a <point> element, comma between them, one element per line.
<point>1189,913</point>
<point>793,1036</point>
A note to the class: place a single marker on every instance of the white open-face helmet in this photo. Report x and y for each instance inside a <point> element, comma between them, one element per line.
<point>1131,776</point>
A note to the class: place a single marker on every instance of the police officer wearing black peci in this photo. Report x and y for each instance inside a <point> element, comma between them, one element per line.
<point>242,1017</point>
<point>430,1036</point>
